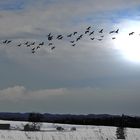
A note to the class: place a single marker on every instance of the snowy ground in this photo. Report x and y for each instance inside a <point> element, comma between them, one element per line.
<point>49,132</point>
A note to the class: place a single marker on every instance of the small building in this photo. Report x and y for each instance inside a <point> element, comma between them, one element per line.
<point>4,126</point>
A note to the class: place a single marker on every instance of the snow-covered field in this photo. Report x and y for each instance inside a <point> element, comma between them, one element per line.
<point>49,132</point>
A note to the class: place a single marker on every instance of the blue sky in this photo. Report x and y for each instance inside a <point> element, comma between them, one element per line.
<point>13,5</point>
<point>93,77</point>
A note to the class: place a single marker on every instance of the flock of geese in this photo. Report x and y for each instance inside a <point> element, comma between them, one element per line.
<point>73,39</point>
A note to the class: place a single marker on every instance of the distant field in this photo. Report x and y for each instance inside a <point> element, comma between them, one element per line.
<point>49,132</point>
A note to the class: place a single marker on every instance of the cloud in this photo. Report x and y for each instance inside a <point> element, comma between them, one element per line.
<point>18,93</point>
<point>39,17</point>
<point>115,100</point>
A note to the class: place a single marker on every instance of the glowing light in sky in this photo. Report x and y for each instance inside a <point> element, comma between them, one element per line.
<point>129,45</point>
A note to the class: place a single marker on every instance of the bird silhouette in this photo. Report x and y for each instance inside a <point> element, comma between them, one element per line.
<point>74,33</point>
<point>50,37</point>
<point>26,43</point>
<point>86,31</point>
<point>69,35</point>
<point>78,39</point>
<point>32,43</point>
<point>41,44</point>
<point>19,45</point>
<point>73,45</point>
<point>81,36</point>
<point>131,33</point>
<point>52,48</point>
<point>33,48</point>
<point>72,41</point>
<point>101,31</point>
<point>59,37</point>
<point>9,41</point>
<point>113,38</point>
<point>88,28</point>
<point>111,32</point>
<point>4,42</point>
<point>117,31</point>
<point>38,47</point>
<point>92,38</point>
<point>91,33</point>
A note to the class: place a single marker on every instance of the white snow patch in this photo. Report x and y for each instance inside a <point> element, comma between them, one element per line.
<point>49,132</point>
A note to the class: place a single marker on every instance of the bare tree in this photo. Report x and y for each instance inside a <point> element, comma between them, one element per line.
<point>34,124</point>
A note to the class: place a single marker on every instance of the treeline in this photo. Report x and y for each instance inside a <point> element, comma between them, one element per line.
<point>91,119</point>
<point>106,120</point>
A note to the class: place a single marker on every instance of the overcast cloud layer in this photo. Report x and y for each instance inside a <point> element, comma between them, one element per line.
<point>89,78</point>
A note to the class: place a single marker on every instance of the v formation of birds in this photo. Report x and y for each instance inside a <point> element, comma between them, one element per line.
<point>73,39</point>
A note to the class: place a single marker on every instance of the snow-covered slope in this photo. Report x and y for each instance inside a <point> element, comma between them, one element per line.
<point>49,132</point>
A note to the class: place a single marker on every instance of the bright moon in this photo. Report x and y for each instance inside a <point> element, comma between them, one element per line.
<point>129,45</point>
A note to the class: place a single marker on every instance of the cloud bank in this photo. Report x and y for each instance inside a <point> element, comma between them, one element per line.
<point>86,100</point>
